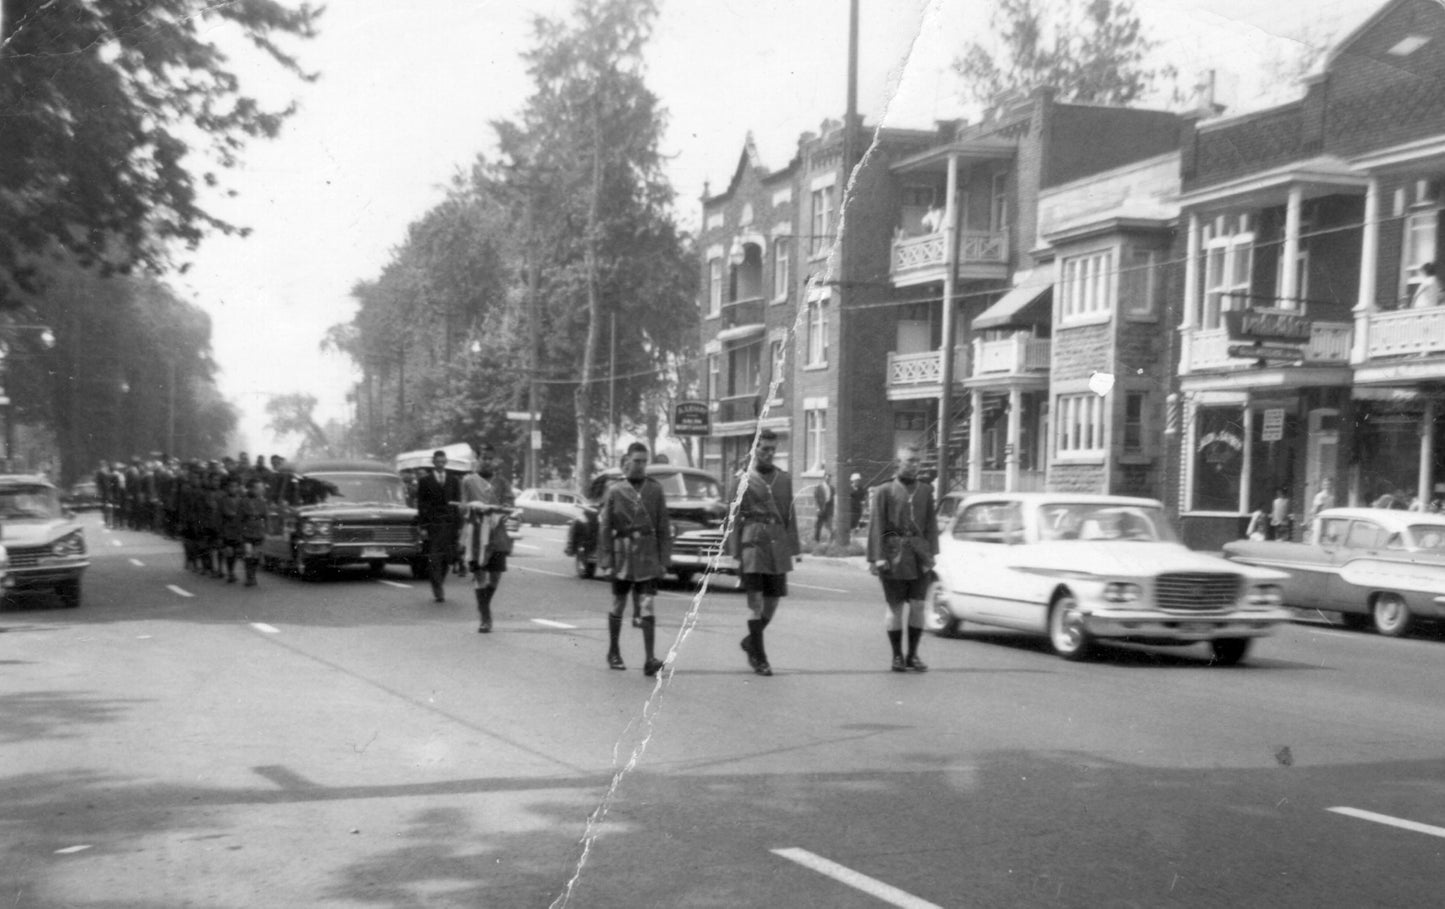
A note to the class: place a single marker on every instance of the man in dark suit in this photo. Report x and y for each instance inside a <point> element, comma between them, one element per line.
<point>437,493</point>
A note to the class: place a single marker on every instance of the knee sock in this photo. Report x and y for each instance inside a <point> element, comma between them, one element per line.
<point>614,631</point>
<point>649,634</point>
<point>755,632</point>
<point>896,639</point>
<point>913,635</point>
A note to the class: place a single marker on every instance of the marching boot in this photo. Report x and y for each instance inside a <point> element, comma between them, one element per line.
<point>757,656</point>
<point>649,636</point>
<point>747,642</point>
<point>895,640</point>
<point>614,631</point>
<point>250,572</point>
<point>913,662</point>
<point>230,569</point>
<point>484,609</point>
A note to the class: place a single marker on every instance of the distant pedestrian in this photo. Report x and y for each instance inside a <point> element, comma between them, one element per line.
<point>857,500</point>
<point>1325,498</point>
<point>436,492</point>
<point>634,542</point>
<point>823,499</point>
<point>232,525</point>
<point>902,544</point>
<point>487,499</point>
<point>764,540</point>
<point>1279,520</point>
<point>1258,524</point>
<point>253,527</point>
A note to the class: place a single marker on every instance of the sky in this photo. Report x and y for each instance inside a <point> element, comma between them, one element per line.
<point>407,93</point>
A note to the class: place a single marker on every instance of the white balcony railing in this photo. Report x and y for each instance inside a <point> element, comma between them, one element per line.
<point>1406,331</point>
<point>1013,355</point>
<point>912,254</point>
<point>982,246</point>
<point>997,481</point>
<point>1329,344</point>
<point>912,369</point>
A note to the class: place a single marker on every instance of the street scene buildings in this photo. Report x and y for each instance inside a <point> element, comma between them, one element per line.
<point>1203,308</point>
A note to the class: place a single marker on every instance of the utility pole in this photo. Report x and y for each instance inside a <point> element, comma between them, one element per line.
<point>533,333</point>
<point>843,513</point>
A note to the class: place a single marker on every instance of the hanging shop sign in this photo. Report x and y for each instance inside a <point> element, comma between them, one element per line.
<point>1258,351</point>
<point>1277,325</point>
<point>691,418</point>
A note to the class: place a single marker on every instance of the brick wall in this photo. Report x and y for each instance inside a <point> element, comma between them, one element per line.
<point>1079,352</point>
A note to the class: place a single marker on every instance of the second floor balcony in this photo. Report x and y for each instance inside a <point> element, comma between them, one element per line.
<point>920,259</point>
<point>1019,355</point>
<point>920,375</point>
<point>1328,345</point>
<point>742,316</point>
<point>739,408</point>
<point>1406,332</point>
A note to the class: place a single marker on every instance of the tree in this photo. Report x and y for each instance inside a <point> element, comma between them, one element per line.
<point>1088,51</point>
<point>101,102</point>
<point>295,414</point>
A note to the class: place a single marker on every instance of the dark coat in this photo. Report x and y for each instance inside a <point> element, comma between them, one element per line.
<point>903,530</point>
<point>633,531</point>
<point>764,537</point>
<point>434,499</point>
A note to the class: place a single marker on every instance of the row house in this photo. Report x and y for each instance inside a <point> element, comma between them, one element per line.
<point>1307,348</point>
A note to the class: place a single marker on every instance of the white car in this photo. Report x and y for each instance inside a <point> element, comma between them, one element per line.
<point>44,544</point>
<point>548,506</point>
<point>1081,568</point>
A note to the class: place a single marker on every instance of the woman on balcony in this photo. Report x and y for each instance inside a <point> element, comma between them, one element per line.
<point>1428,293</point>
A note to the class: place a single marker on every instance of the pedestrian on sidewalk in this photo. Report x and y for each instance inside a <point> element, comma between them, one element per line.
<point>902,544</point>
<point>634,542</point>
<point>487,499</point>
<point>764,540</point>
<point>436,492</point>
<point>823,499</point>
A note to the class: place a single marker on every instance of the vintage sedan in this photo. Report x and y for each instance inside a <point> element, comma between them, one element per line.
<point>328,513</point>
<point>1373,566</point>
<point>694,508</point>
<point>1084,568</point>
<point>45,544</point>
<point>548,506</point>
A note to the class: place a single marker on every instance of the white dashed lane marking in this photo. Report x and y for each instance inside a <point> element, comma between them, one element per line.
<point>138,563</point>
<point>116,543</point>
<point>179,591</point>
<point>844,875</point>
<point>812,587</point>
<point>263,627</point>
<point>548,623</point>
<point>1413,826</point>
<point>395,584</point>
<point>528,546</point>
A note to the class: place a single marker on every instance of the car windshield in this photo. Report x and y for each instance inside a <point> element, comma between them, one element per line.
<point>34,502</point>
<point>360,489</point>
<point>1103,521</point>
<point>689,486</point>
<point>1429,537</point>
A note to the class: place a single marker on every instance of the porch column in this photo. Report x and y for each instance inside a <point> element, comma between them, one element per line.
<point>1190,317</point>
<point>1289,275</point>
<point>975,440</point>
<point>1425,484</point>
<point>1246,471</point>
<point>950,266</point>
<point>1369,264</point>
<point>1015,430</point>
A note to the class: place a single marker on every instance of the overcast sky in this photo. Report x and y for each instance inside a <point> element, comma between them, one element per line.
<point>407,93</point>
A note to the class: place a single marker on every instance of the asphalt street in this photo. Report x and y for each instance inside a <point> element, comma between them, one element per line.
<point>178,741</point>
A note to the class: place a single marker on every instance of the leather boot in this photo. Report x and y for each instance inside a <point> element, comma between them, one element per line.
<point>649,638</point>
<point>614,631</point>
<point>484,610</point>
<point>757,655</point>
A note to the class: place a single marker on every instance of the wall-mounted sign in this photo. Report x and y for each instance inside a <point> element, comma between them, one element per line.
<point>691,418</point>
<point>1266,325</point>
<point>1273,429</point>
<point>1257,351</point>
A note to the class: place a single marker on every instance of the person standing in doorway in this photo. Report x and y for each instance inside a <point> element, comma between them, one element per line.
<point>902,544</point>
<point>1279,516</point>
<point>487,499</point>
<point>764,540</point>
<point>634,542</point>
<point>436,491</point>
<point>823,499</point>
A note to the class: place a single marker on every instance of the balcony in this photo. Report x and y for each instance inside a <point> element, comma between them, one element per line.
<point>920,259</point>
<point>1012,356</point>
<point>1405,332</point>
<point>920,375</point>
<point>1329,345</point>
<point>738,408</point>
<point>997,481</point>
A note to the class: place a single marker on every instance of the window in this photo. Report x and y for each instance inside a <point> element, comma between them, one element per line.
<point>1228,261</point>
<point>990,522</point>
<point>998,203</point>
<point>1140,286</point>
<point>1421,228</point>
<point>780,269</point>
<point>714,286</point>
<point>744,370</point>
<point>815,429</point>
<point>817,333</point>
<point>1134,422</point>
<point>1084,290</point>
<point>822,226</point>
<point>1080,429</point>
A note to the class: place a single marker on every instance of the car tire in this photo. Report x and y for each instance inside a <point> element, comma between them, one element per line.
<point>585,569</point>
<point>69,593</point>
<point>1067,635</point>
<point>1391,615</point>
<point>937,615</point>
<point>1229,651</point>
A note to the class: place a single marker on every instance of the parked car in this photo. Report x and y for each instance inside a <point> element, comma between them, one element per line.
<point>44,543</point>
<point>1373,566</point>
<point>327,513</point>
<point>694,508</point>
<point>947,506</point>
<point>548,506</point>
<point>82,497</point>
<point>1083,568</point>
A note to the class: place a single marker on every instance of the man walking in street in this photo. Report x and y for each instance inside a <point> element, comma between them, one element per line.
<point>902,544</point>
<point>436,491</point>
<point>634,542</point>
<point>487,499</point>
<point>764,540</point>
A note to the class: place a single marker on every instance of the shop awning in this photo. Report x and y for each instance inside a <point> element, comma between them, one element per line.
<point>1020,306</point>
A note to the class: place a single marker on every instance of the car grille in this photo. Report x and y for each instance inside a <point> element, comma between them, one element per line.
<point>698,545</point>
<point>373,533</point>
<point>1195,592</point>
<point>27,556</point>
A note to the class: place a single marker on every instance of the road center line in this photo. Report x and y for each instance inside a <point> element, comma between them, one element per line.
<point>528,546</point>
<point>179,591</point>
<point>551,624</point>
<point>116,543</point>
<point>1403,824</point>
<point>871,886</point>
<point>555,574</point>
<point>138,563</point>
<point>263,627</point>
<point>811,587</point>
<point>394,584</point>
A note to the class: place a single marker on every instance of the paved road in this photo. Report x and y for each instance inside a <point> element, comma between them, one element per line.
<point>177,741</point>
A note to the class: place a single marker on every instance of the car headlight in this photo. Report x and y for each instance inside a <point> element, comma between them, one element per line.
<point>72,544</point>
<point>316,528</point>
<point>1121,592</point>
<point>1266,595</point>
